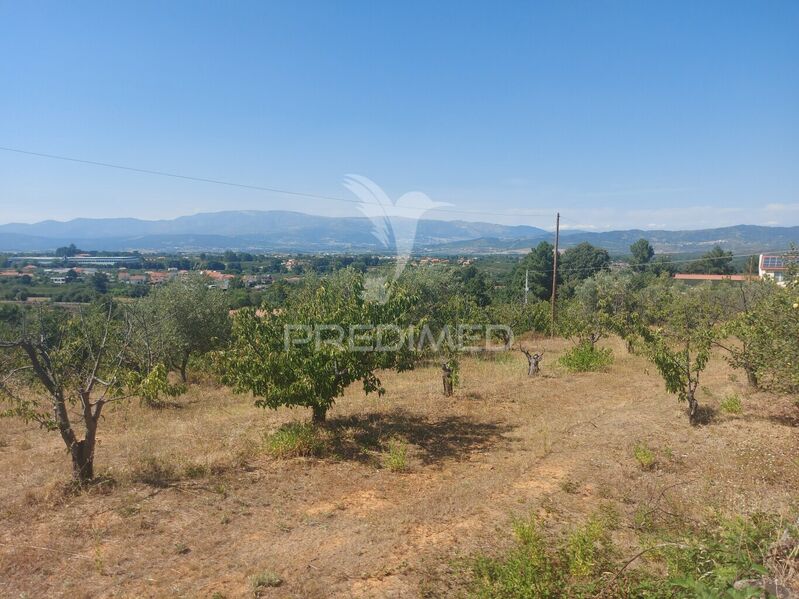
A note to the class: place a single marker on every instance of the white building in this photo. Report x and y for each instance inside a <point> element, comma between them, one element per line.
<point>773,266</point>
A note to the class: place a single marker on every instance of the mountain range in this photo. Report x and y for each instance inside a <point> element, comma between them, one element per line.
<point>286,231</point>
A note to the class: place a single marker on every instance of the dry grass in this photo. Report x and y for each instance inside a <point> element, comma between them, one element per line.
<point>194,504</point>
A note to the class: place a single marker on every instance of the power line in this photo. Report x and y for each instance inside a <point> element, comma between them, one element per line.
<point>279,190</point>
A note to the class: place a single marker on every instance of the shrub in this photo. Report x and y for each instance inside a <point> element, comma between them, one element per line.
<point>644,456</point>
<point>731,404</point>
<point>296,439</point>
<point>264,580</point>
<point>539,567</point>
<point>703,562</point>
<point>585,358</point>
<point>709,560</point>
<point>396,458</point>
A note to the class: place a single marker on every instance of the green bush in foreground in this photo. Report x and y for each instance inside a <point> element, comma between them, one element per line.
<point>586,358</point>
<point>644,456</point>
<point>296,439</point>
<point>704,562</point>
<point>538,567</point>
<point>396,457</point>
<point>731,404</point>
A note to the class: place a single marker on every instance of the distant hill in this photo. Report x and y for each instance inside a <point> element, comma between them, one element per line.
<point>740,239</point>
<point>279,230</point>
<point>242,230</point>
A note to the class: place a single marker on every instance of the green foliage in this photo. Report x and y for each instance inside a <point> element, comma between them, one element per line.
<point>59,362</point>
<point>536,316</point>
<point>296,439</point>
<point>455,368</point>
<point>731,404</point>
<point>703,562</point>
<point>183,318</point>
<point>644,456</point>
<point>66,251</point>
<point>581,262</point>
<point>10,316</point>
<point>642,252</point>
<point>538,265</point>
<point>264,580</point>
<point>708,561</point>
<point>473,283</point>
<point>680,346</point>
<point>150,386</point>
<point>714,262</point>
<point>439,300</point>
<point>396,456</point>
<point>569,566</point>
<point>586,358</point>
<point>295,356</point>
<point>580,317</point>
<point>768,329</point>
<point>100,282</point>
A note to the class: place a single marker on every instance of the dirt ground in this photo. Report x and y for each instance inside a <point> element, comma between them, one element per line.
<point>218,510</point>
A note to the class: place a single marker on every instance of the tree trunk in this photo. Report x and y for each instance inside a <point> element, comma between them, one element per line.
<point>693,410</point>
<point>183,365</point>
<point>593,339</point>
<point>533,364</point>
<point>82,461</point>
<point>447,380</point>
<point>319,414</point>
<point>751,376</point>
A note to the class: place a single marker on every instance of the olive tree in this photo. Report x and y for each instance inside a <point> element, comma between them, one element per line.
<point>190,317</point>
<point>325,337</point>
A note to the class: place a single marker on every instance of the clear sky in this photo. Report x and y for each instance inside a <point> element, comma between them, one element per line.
<point>617,114</point>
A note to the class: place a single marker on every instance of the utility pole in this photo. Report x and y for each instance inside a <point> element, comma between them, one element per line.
<point>526,284</point>
<point>555,270</point>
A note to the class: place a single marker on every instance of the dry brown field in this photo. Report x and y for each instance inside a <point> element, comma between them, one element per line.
<point>190,503</point>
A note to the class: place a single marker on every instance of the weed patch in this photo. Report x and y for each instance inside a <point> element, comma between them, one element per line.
<point>645,457</point>
<point>702,562</point>
<point>586,358</point>
<point>264,580</point>
<point>296,439</point>
<point>396,456</point>
<point>731,404</point>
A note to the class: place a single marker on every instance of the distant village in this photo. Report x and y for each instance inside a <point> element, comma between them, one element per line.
<point>247,273</point>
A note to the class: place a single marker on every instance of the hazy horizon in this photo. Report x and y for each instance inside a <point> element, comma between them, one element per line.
<point>564,226</point>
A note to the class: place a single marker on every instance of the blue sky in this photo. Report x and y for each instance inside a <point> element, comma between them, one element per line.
<point>617,114</point>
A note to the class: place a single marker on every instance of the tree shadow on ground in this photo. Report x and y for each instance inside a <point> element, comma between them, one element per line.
<point>363,438</point>
<point>706,415</point>
<point>782,419</point>
<point>785,419</point>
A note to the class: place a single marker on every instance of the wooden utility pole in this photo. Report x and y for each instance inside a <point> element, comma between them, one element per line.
<point>526,284</point>
<point>555,270</point>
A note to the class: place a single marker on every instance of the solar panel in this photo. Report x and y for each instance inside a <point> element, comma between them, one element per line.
<point>773,262</point>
